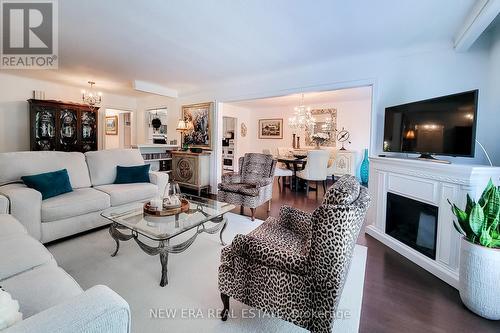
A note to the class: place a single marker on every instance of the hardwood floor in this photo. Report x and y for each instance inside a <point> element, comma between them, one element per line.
<point>399,296</point>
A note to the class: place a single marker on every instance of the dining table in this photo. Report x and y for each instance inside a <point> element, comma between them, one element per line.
<point>295,164</point>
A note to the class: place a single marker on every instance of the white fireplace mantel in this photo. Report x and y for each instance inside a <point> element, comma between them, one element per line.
<point>432,183</point>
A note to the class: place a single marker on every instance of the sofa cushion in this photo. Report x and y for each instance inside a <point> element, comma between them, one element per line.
<point>244,189</point>
<point>102,163</point>
<point>273,245</point>
<point>124,193</point>
<point>78,202</point>
<point>49,184</point>
<point>41,288</point>
<point>20,253</point>
<point>132,174</point>
<point>9,226</point>
<point>17,164</point>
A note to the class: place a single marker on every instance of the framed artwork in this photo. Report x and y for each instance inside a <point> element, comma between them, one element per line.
<point>199,120</point>
<point>271,128</point>
<point>111,125</point>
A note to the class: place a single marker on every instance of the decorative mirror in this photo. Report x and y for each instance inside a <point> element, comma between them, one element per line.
<point>325,122</point>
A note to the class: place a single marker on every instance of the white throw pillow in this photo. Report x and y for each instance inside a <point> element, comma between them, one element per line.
<point>9,310</point>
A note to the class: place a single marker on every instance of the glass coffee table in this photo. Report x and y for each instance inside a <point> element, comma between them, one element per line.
<point>130,222</point>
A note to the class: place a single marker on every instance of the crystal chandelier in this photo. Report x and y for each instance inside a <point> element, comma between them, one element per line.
<point>302,119</point>
<point>90,97</point>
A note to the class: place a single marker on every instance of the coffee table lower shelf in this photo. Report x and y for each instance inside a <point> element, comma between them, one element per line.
<point>164,248</point>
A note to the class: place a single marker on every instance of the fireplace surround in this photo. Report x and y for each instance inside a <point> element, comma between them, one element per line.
<point>431,184</point>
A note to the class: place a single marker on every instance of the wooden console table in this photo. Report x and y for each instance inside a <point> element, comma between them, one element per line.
<point>191,170</point>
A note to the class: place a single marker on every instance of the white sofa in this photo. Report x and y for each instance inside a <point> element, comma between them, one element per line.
<point>91,174</point>
<point>50,299</point>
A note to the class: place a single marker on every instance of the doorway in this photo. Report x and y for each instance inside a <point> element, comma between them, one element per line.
<point>117,129</point>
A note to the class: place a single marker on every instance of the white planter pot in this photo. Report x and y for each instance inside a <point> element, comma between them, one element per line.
<point>479,279</point>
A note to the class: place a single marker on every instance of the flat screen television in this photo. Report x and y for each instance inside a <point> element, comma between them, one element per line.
<point>438,126</point>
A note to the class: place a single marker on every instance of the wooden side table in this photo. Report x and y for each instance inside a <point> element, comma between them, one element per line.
<point>191,170</point>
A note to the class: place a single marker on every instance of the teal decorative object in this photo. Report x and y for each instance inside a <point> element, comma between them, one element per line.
<point>365,169</point>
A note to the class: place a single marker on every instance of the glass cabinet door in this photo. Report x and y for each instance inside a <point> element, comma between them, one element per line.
<point>88,131</point>
<point>68,124</point>
<point>45,129</point>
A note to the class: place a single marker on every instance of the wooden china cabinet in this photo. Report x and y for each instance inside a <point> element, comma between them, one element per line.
<point>62,126</point>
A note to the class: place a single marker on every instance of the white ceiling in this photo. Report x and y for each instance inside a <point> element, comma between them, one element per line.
<point>186,44</point>
<point>312,98</point>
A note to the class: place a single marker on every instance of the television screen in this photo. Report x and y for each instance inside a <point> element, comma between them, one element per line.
<point>440,126</point>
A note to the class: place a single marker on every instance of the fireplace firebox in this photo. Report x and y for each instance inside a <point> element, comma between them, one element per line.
<point>413,223</point>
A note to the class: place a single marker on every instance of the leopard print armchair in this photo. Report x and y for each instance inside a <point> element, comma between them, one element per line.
<point>294,266</point>
<point>252,186</point>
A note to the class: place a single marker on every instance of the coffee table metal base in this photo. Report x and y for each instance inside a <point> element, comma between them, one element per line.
<point>164,247</point>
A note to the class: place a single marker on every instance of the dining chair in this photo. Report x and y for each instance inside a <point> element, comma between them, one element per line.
<point>315,169</point>
<point>284,151</point>
<point>281,172</point>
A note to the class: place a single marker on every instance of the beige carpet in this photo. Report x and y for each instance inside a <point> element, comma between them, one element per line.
<point>190,301</point>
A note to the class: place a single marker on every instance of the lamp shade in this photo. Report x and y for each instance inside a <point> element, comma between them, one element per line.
<point>181,125</point>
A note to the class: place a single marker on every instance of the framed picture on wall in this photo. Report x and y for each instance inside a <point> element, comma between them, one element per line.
<point>199,122</point>
<point>111,125</point>
<point>271,128</point>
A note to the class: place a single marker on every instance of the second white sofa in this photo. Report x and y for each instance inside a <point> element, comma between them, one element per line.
<point>92,176</point>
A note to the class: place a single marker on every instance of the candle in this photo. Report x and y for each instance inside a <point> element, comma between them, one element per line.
<point>156,203</point>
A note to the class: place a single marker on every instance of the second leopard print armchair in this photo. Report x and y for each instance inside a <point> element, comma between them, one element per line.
<point>252,186</point>
<point>294,266</point>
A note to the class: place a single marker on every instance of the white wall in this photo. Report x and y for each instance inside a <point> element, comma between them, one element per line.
<point>14,112</point>
<point>491,130</point>
<point>398,77</point>
<point>153,102</point>
<point>353,115</point>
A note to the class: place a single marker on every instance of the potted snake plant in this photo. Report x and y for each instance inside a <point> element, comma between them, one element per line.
<point>479,275</point>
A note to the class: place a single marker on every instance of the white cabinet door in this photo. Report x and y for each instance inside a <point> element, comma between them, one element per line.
<point>345,163</point>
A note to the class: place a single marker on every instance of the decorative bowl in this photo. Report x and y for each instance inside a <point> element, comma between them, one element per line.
<point>184,207</point>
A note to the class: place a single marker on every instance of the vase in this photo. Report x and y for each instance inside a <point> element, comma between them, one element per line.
<point>365,169</point>
<point>479,274</point>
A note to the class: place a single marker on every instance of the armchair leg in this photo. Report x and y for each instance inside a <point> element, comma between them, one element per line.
<point>307,188</point>
<point>225,303</point>
<point>241,210</point>
<point>324,186</point>
<point>269,206</point>
<point>253,213</point>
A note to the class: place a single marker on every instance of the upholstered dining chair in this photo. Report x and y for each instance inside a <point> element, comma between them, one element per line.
<point>284,151</point>
<point>281,172</point>
<point>252,186</point>
<point>295,266</point>
<point>315,169</point>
